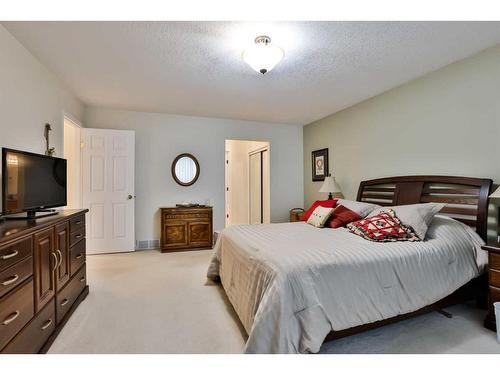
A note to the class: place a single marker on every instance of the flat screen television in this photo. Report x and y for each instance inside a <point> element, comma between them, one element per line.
<point>32,182</point>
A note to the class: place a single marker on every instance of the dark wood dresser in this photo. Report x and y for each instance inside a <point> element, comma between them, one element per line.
<point>42,279</point>
<point>493,249</point>
<point>186,228</point>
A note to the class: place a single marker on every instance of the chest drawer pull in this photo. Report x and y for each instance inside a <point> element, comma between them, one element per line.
<point>60,258</point>
<point>82,280</point>
<point>10,280</point>
<point>56,261</point>
<point>47,324</point>
<point>78,236</point>
<point>79,256</point>
<point>11,318</point>
<point>10,255</point>
<point>78,222</point>
<point>64,302</point>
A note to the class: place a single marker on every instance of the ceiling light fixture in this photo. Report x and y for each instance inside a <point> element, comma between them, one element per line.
<point>263,56</point>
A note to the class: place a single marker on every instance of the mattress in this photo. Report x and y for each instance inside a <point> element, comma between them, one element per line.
<point>291,283</point>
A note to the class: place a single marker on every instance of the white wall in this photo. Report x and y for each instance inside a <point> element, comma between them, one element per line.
<point>447,122</point>
<point>161,137</point>
<point>30,96</point>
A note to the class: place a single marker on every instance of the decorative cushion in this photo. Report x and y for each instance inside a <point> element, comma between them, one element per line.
<point>384,227</point>
<point>361,208</point>
<point>341,216</point>
<point>416,216</point>
<point>329,203</point>
<point>319,216</point>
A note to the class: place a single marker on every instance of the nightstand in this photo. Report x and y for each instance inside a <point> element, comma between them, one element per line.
<point>493,249</point>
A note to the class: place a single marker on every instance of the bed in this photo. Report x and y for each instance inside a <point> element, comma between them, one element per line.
<point>293,286</point>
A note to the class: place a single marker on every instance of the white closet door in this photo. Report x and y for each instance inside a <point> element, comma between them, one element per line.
<point>108,158</point>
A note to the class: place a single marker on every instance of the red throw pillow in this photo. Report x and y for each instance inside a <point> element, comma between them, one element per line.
<point>384,227</point>
<point>342,216</point>
<point>329,203</point>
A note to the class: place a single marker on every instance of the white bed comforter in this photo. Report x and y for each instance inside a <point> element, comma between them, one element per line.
<point>291,283</point>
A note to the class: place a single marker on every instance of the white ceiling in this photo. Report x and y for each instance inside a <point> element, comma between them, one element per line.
<point>195,68</point>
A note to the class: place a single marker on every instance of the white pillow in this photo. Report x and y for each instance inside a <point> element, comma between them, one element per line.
<point>319,216</point>
<point>361,208</point>
<point>417,216</point>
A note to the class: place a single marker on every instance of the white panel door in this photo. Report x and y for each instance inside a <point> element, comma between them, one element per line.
<point>108,158</point>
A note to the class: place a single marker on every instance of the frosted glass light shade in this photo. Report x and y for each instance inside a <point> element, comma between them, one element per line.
<point>263,56</point>
<point>496,193</point>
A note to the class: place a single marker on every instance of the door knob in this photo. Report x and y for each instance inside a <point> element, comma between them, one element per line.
<point>131,196</point>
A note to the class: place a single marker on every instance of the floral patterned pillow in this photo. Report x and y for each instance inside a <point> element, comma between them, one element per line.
<point>384,227</point>
<point>319,216</point>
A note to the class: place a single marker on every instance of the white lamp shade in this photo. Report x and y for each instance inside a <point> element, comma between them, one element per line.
<point>330,186</point>
<point>263,57</point>
<point>496,193</point>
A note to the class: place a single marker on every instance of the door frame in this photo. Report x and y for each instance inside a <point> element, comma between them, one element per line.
<point>77,178</point>
<point>259,150</point>
<point>227,186</point>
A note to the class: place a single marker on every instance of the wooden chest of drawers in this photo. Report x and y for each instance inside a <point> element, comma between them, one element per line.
<point>186,228</point>
<point>42,279</point>
<point>493,281</point>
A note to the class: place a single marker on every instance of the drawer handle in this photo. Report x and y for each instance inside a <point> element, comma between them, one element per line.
<point>78,236</point>
<point>11,280</point>
<point>12,317</point>
<point>60,258</point>
<point>47,324</point>
<point>64,302</point>
<point>79,256</point>
<point>54,255</point>
<point>82,279</point>
<point>10,255</point>
<point>78,222</point>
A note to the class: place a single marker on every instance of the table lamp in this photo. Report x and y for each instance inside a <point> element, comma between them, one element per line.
<point>330,186</point>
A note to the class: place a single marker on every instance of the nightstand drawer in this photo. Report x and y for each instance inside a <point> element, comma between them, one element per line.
<point>494,261</point>
<point>494,278</point>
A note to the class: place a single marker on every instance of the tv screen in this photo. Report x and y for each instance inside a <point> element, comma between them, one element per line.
<point>32,181</point>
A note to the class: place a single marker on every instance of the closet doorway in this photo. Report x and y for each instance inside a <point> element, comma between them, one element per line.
<point>247,182</point>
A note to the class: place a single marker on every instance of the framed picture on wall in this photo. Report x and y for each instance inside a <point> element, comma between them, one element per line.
<point>319,164</point>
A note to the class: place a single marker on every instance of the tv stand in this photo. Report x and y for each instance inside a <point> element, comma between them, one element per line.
<point>32,215</point>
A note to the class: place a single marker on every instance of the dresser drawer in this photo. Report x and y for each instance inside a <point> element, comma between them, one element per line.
<point>77,254</point>
<point>16,309</point>
<point>14,252</point>
<point>68,296</point>
<point>494,261</point>
<point>494,278</point>
<point>31,339</point>
<point>187,216</point>
<point>494,294</point>
<point>76,223</point>
<point>76,236</point>
<point>15,275</point>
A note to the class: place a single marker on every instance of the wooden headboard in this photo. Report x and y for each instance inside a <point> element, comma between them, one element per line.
<point>466,198</point>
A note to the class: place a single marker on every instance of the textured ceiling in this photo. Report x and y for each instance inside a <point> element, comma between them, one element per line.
<point>195,68</point>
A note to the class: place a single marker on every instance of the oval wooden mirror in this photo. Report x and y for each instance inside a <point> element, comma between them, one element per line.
<point>185,169</point>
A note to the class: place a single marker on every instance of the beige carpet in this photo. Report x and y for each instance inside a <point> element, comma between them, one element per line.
<point>148,302</point>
